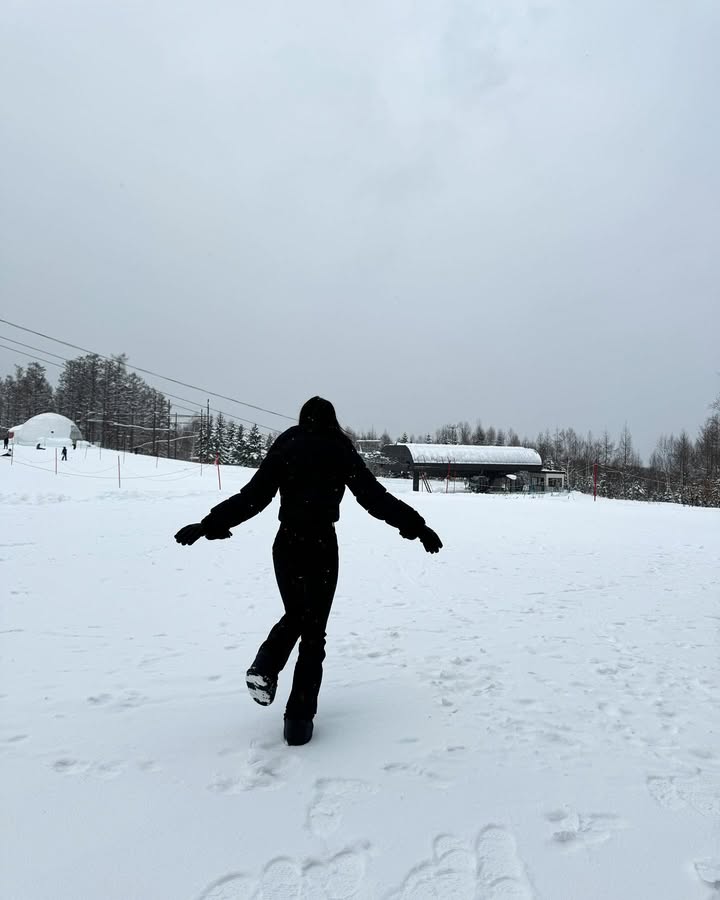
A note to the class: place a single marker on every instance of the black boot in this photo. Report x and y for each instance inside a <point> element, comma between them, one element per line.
<point>262,687</point>
<point>298,731</point>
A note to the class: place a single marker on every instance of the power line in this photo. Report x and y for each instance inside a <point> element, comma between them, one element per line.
<point>30,347</point>
<point>193,387</point>
<point>30,356</point>
<point>193,408</point>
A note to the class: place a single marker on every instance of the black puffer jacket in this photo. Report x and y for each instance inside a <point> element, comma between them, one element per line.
<point>311,469</point>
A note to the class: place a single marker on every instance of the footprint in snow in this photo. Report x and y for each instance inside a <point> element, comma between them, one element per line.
<point>489,870</point>
<point>340,877</point>
<point>331,795</point>
<point>575,830</point>
<point>700,791</point>
<point>231,887</point>
<point>708,870</point>
<point>266,769</point>
<point>104,770</point>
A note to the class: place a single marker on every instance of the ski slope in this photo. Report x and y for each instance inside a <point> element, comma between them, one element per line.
<point>533,713</point>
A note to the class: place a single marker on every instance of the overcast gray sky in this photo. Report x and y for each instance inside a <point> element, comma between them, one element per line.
<point>425,211</point>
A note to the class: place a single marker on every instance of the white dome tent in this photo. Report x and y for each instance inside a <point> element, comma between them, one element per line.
<point>46,429</point>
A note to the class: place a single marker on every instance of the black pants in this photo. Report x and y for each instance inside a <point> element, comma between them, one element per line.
<point>306,568</point>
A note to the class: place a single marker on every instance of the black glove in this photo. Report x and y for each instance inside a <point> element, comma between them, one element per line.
<point>191,533</point>
<point>430,541</point>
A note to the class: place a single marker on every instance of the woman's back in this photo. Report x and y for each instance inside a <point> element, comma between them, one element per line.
<point>312,469</point>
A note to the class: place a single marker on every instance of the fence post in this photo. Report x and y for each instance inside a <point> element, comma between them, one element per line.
<point>217,465</point>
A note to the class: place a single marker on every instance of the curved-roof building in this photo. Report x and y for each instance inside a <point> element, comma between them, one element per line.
<point>462,459</point>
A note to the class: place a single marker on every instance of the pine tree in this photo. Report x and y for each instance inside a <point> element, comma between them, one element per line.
<point>226,453</point>
<point>254,445</point>
<point>218,438</point>
<point>203,430</point>
<point>239,450</point>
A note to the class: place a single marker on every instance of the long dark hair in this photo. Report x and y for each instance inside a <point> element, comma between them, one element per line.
<point>318,414</point>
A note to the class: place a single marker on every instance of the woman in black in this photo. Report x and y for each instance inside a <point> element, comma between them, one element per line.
<point>310,464</point>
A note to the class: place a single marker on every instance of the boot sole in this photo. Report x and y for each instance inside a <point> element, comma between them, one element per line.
<point>261,689</point>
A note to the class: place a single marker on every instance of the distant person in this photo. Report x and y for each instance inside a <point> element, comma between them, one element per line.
<point>74,445</point>
<point>63,455</point>
<point>6,441</point>
<point>310,464</point>
<point>136,450</point>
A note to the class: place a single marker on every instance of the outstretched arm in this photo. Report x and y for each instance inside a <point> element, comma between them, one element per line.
<point>381,504</point>
<point>252,499</point>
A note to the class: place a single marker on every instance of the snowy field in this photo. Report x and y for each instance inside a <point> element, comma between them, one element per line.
<point>533,713</point>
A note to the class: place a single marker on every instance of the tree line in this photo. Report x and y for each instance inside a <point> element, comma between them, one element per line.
<point>119,410</point>
<point>680,469</point>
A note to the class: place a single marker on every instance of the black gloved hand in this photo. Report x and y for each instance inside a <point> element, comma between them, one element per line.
<point>191,533</point>
<point>430,541</point>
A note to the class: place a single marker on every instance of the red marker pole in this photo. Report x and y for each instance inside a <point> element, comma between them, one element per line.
<point>595,468</point>
<point>217,464</point>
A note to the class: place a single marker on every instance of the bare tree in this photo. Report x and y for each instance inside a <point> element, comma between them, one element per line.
<point>478,435</point>
<point>464,433</point>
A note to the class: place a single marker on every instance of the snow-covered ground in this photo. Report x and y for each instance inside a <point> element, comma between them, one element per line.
<point>533,713</point>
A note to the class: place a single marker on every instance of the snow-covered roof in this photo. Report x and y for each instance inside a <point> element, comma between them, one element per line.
<point>48,429</point>
<point>471,455</point>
